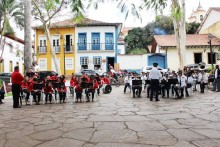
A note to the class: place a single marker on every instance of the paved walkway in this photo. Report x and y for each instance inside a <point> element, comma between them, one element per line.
<point>114,120</point>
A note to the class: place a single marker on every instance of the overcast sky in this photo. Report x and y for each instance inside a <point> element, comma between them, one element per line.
<point>109,12</point>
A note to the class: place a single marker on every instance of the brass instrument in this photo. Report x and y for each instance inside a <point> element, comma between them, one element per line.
<point>202,65</point>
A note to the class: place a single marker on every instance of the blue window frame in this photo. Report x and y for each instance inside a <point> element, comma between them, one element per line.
<point>109,41</point>
<point>82,41</point>
<point>95,41</point>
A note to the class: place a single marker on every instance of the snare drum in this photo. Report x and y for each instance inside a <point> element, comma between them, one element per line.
<point>107,89</point>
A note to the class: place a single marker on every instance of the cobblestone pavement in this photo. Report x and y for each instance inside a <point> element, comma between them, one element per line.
<point>114,120</point>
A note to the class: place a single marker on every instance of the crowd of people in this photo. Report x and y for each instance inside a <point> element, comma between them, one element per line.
<point>50,86</point>
<point>156,82</point>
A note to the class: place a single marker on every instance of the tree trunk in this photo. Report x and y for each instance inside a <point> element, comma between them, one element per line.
<point>52,50</point>
<point>28,37</point>
<point>180,35</point>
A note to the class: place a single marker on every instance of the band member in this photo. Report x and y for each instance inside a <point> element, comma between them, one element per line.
<point>98,78</point>
<point>92,90</point>
<point>24,86</point>
<point>181,85</point>
<point>16,79</point>
<point>62,89</point>
<point>143,78</point>
<point>106,80</point>
<point>127,81</point>
<point>48,92</point>
<point>73,82</point>
<point>204,81</point>
<point>78,91</point>
<point>35,93</point>
<point>165,85</point>
<point>154,75</point>
<point>2,94</point>
<point>53,77</point>
<point>216,83</point>
<point>138,87</point>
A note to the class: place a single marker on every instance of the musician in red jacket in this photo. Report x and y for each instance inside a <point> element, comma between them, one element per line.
<point>24,87</point>
<point>48,92</point>
<point>78,90</point>
<point>62,92</point>
<point>16,79</point>
<point>35,93</point>
<point>92,90</point>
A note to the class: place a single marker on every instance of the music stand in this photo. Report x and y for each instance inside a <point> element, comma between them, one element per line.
<point>86,85</point>
<point>38,86</point>
<point>51,81</point>
<point>56,85</point>
<point>136,82</point>
<point>172,81</point>
<point>30,74</point>
<point>147,82</point>
<point>84,80</point>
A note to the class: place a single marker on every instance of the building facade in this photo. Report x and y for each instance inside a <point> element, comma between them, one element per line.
<point>197,49</point>
<point>89,44</point>
<point>12,55</point>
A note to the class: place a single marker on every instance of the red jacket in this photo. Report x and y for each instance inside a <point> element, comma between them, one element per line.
<point>53,77</point>
<point>106,81</point>
<point>31,87</point>
<point>95,85</point>
<point>24,85</point>
<point>16,77</point>
<point>61,89</point>
<point>48,89</point>
<point>73,82</point>
<point>78,88</point>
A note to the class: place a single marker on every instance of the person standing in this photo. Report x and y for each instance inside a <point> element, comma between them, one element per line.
<point>154,75</point>
<point>16,79</point>
<point>216,83</point>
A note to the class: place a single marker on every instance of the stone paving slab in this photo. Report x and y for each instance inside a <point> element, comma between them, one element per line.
<point>114,120</point>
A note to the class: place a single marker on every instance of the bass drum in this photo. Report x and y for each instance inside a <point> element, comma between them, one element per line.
<point>107,89</point>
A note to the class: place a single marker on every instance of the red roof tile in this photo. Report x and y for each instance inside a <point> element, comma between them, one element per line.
<point>191,40</point>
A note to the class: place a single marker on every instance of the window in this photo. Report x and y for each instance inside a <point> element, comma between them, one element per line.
<point>82,41</point>
<point>42,64</point>
<point>42,44</point>
<point>84,62</point>
<point>69,43</point>
<point>53,65</point>
<point>97,61</point>
<point>197,57</point>
<point>56,43</point>
<point>201,17</point>
<point>69,63</point>
<point>95,41</point>
<point>213,57</point>
<point>109,42</point>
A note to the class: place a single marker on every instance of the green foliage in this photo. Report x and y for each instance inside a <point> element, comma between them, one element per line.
<point>139,51</point>
<point>141,37</point>
<point>191,28</point>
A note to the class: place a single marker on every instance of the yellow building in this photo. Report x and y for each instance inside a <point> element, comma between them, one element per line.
<point>62,41</point>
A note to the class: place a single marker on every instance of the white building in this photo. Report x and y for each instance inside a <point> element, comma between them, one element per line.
<point>97,45</point>
<point>12,55</point>
<point>198,15</point>
<point>197,49</point>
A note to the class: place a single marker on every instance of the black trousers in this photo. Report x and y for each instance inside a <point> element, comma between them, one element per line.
<point>90,91</point>
<point>36,96</point>
<point>78,95</point>
<point>202,86</point>
<point>50,97</point>
<point>126,85</point>
<point>165,88</point>
<point>154,88</point>
<point>62,96</point>
<point>16,90</point>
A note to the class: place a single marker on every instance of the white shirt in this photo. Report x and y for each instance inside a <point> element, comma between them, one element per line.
<point>155,73</point>
<point>216,73</point>
<point>128,79</point>
<point>205,78</point>
<point>182,80</point>
<point>199,77</point>
<point>190,80</point>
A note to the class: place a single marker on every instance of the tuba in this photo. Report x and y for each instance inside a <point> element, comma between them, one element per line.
<point>202,65</point>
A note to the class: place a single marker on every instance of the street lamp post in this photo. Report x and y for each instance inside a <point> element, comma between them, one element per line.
<point>211,51</point>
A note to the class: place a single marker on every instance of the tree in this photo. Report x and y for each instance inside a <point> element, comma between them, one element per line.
<point>28,37</point>
<point>10,11</point>
<point>192,27</point>
<point>138,51</point>
<point>141,37</point>
<point>46,10</point>
<point>177,13</point>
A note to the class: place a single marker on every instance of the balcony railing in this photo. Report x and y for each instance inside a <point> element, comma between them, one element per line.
<point>69,48</point>
<point>95,46</point>
<point>42,49</point>
<point>56,49</point>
